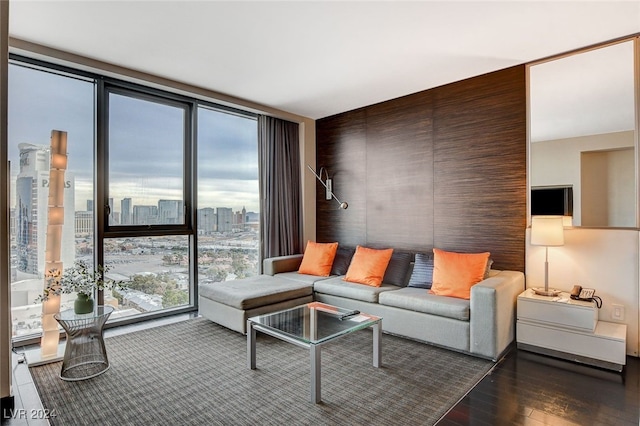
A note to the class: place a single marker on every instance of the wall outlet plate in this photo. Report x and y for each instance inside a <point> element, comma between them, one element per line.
<point>617,312</point>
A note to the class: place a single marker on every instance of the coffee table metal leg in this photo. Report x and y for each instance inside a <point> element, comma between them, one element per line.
<point>251,346</point>
<point>377,345</point>
<point>315,373</point>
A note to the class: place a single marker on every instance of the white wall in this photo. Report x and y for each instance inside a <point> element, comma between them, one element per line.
<point>608,188</point>
<point>604,259</point>
<point>557,162</point>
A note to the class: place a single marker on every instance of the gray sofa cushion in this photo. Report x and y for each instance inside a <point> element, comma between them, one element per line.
<point>336,286</point>
<point>418,299</point>
<point>253,292</point>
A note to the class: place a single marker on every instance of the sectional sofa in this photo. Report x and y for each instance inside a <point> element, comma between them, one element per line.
<point>483,325</point>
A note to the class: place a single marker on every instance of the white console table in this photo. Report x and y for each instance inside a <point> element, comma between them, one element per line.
<point>569,329</point>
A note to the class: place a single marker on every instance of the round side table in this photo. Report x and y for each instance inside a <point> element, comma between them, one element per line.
<point>85,355</point>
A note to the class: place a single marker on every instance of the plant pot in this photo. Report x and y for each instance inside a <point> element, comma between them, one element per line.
<point>83,304</point>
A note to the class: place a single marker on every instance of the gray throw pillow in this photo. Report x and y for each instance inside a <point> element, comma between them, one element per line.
<point>396,271</point>
<point>422,275</point>
<point>342,260</point>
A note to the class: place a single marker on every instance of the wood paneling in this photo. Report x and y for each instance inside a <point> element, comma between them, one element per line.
<point>441,168</point>
<point>480,166</point>
<point>399,179</point>
<point>343,153</point>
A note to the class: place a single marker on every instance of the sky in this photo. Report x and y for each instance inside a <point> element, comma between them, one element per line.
<point>145,146</point>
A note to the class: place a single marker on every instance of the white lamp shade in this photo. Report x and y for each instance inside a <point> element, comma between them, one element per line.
<point>547,231</point>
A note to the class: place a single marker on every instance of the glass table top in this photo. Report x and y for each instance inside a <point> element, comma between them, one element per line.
<point>315,322</point>
<point>70,315</point>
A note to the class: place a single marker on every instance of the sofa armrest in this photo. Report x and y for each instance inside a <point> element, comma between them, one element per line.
<point>493,313</point>
<point>276,265</point>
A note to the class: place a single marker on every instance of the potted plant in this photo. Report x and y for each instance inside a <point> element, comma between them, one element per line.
<point>82,280</point>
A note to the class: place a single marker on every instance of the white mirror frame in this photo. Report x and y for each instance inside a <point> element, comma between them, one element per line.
<point>635,41</point>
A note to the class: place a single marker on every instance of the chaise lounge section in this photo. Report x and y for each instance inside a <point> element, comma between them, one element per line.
<point>230,303</point>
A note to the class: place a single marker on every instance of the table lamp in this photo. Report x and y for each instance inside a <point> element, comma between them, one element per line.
<point>546,231</point>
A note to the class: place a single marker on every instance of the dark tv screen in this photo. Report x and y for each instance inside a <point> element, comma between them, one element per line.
<point>552,201</point>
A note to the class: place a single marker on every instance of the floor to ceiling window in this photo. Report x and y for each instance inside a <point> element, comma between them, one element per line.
<point>228,200</point>
<point>161,188</point>
<point>148,238</point>
<point>41,101</point>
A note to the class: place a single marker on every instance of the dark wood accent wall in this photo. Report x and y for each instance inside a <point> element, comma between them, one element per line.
<point>440,168</point>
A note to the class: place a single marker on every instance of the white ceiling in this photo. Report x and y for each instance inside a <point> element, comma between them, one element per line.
<point>316,59</point>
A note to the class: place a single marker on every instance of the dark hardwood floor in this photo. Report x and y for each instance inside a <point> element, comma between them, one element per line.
<point>531,389</point>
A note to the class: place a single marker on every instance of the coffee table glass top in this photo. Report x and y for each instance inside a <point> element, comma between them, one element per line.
<point>70,315</point>
<point>315,322</point>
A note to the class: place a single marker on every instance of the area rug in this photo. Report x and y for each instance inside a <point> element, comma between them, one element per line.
<point>195,372</point>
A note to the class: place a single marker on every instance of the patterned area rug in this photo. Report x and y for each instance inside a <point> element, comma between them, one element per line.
<point>194,373</point>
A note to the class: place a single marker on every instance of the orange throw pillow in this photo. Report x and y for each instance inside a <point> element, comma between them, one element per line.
<point>368,266</point>
<point>318,258</point>
<point>455,273</point>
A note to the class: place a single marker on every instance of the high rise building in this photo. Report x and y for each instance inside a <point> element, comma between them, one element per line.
<point>89,205</point>
<point>125,211</point>
<point>206,220</point>
<point>145,215</point>
<point>225,219</point>
<point>239,219</point>
<point>32,198</point>
<point>170,212</point>
<point>84,223</point>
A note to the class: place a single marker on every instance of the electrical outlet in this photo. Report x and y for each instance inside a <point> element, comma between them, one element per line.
<point>617,312</point>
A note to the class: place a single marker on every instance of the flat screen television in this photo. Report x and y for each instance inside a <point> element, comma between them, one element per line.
<point>552,200</point>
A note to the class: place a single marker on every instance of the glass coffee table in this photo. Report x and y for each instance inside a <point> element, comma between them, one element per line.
<point>311,326</point>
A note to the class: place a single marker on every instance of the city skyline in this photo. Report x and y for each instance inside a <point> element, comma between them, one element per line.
<point>30,213</point>
<point>41,165</point>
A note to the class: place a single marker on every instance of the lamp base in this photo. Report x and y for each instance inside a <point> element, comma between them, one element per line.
<point>549,292</point>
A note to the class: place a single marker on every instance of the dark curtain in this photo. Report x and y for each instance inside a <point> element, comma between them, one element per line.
<point>280,207</point>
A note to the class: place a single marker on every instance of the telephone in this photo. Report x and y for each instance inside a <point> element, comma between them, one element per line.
<point>586,294</point>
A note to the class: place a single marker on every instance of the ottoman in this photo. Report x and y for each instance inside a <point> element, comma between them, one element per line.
<point>230,303</point>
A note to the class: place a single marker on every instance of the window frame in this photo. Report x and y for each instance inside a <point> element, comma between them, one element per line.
<point>104,85</point>
<point>188,166</point>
